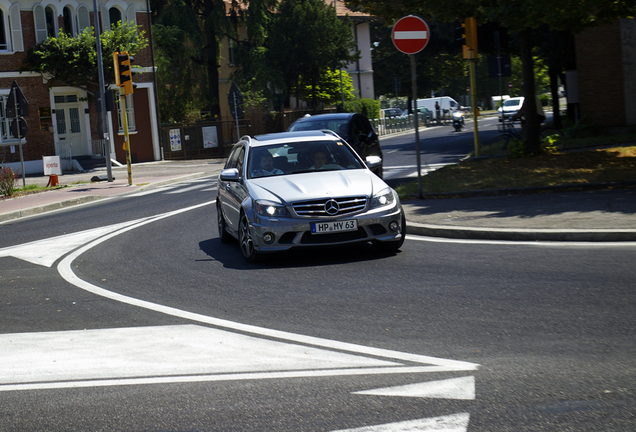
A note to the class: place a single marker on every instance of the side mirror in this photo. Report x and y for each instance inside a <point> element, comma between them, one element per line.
<point>230,174</point>
<point>373,161</point>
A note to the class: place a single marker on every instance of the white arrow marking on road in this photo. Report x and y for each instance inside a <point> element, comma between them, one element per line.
<point>454,388</point>
<point>164,351</point>
<point>46,252</point>
<point>450,423</point>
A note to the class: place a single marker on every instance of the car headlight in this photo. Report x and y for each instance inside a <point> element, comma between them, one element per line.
<point>270,209</point>
<point>383,198</point>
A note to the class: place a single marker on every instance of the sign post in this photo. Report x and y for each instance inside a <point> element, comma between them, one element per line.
<point>17,108</point>
<point>411,35</point>
<point>235,99</point>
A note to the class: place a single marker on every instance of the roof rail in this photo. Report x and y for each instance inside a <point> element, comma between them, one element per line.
<point>330,132</point>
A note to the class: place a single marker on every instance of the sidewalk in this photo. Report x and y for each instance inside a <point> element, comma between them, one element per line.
<point>596,215</point>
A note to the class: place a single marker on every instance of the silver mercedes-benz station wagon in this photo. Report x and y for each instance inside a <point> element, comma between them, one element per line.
<point>303,189</point>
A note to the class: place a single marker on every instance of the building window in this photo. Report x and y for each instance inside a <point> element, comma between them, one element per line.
<point>68,21</point>
<point>114,15</point>
<point>4,46</point>
<point>11,30</point>
<point>5,123</point>
<point>50,21</point>
<point>130,115</point>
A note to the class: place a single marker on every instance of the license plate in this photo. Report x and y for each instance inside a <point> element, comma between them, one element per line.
<point>334,227</point>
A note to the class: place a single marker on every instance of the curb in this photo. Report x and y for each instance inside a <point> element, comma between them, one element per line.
<point>31,211</point>
<point>520,234</point>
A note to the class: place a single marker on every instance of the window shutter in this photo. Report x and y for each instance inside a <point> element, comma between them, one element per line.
<point>16,28</point>
<point>40,24</point>
<point>83,18</point>
<point>131,16</point>
<point>103,11</point>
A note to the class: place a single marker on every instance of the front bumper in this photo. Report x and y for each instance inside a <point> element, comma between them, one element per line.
<point>294,232</point>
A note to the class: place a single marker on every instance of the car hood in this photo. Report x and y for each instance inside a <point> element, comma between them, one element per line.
<point>300,187</point>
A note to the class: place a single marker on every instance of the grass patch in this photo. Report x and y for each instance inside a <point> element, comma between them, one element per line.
<point>614,164</point>
<point>30,189</point>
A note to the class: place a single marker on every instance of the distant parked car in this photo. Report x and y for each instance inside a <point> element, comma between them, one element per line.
<point>304,189</point>
<point>354,128</point>
<point>392,112</point>
<point>426,112</point>
<point>510,107</point>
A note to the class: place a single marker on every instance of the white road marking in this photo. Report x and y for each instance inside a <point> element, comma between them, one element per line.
<point>381,361</point>
<point>149,191</point>
<point>46,252</point>
<point>186,189</point>
<point>450,423</point>
<point>390,172</point>
<point>164,351</point>
<point>454,388</point>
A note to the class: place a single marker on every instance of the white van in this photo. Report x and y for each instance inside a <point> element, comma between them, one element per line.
<point>446,103</point>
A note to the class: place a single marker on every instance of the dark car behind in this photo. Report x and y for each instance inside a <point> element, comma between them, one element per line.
<point>352,127</point>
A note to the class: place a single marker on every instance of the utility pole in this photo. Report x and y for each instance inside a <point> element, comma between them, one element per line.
<point>102,96</point>
<point>470,53</point>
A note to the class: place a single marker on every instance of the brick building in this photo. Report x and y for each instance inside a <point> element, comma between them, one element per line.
<point>62,120</point>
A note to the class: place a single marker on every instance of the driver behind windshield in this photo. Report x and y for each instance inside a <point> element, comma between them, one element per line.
<point>265,166</point>
<point>320,160</point>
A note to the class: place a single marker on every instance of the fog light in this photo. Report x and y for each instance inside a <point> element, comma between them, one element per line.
<point>268,238</point>
<point>394,226</point>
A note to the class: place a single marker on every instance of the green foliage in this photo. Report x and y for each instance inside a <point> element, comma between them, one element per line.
<point>8,178</point>
<point>550,144</point>
<point>368,107</point>
<point>305,40</point>
<point>179,78</point>
<point>73,60</point>
<point>328,91</point>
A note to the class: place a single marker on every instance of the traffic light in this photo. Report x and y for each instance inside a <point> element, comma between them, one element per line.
<point>470,38</point>
<point>123,72</point>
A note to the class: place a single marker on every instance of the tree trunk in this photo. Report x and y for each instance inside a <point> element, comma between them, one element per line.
<point>554,90</point>
<point>211,51</point>
<point>533,145</point>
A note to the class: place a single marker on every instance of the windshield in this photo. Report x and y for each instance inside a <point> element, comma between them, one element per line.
<point>301,157</point>
<point>341,127</point>
<point>512,102</point>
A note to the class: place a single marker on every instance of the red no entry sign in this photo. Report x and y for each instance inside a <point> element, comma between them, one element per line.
<point>410,34</point>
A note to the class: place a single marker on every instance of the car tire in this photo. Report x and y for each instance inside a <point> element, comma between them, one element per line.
<point>246,241</point>
<point>392,246</point>
<point>224,236</point>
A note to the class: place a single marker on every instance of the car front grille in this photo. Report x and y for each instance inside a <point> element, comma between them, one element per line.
<point>330,206</point>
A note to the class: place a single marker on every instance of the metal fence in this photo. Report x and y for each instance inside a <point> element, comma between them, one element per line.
<point>202,140</point>
<point>391,125</point>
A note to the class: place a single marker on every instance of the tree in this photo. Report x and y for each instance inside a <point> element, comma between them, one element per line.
<point>305,40</point>
<point>439,65</point>
<point>179,75</point>
<point>200,21</point>
<point>73,60</point>
<point>328,89</point>
<point>520,16</point>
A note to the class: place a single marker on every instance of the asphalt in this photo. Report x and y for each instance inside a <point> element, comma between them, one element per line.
<point>600,214</point>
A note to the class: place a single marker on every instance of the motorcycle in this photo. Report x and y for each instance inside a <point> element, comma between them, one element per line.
<point>458,120</point>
